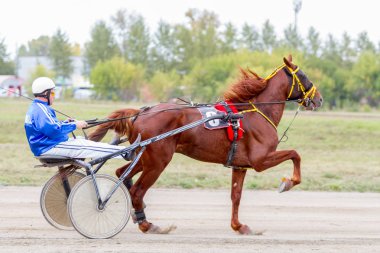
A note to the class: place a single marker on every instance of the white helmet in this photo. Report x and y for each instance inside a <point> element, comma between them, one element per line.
<point>42,84</point>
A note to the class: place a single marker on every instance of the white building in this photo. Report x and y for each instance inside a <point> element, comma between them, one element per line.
<point>82,89</point>
<point>27,64</point>
<point>11,86</point>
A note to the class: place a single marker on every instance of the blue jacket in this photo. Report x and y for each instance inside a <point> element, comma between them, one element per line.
<point>43,130</point>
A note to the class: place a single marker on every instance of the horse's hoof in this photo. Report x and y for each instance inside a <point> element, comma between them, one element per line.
<point>285,185</point>
<point>153,229</point>
<point>245,230</point>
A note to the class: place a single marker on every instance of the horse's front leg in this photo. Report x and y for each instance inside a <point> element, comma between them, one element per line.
<point>238,176</point>
<point>138,191</point>
<point>277,157</point>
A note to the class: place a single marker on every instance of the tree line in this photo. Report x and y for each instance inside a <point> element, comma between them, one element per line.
<point>200,57</point>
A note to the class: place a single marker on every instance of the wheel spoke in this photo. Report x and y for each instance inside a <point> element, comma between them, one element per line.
<point>87,219</point>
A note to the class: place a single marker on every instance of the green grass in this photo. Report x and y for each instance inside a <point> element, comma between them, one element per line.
<point>340,151</point>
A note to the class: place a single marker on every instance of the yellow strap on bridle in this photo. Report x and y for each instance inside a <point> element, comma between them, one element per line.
<point>274,72</point>
<point>260,112</point>
<point>309,94</point>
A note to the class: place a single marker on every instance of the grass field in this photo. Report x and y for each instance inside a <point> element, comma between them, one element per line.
<point>340,151</point>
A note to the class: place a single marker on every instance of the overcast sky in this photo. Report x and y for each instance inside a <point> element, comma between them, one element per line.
<point>24,20</point>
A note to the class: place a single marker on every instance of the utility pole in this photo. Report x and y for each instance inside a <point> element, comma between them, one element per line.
<point>297,4</point>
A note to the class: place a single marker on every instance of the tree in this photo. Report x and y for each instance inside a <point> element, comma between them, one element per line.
<point>203,30</point>
<point>347,51</point>
<point>250,38</point>
<point>76,50</point>
<point>138,41</point>
<point>165,86</point>
<point>292,39</point>
<point>120,21</point>
<point>229,41</point>
<point>313,43</point>
<point>184,49</point>
<point>36,47</point>
<point>133,36</point>
<point>117,79</point>
<point>268,36</point>
<point>331,50</point>
<point>6,67</point>
<point>363,43</point>
<point>365,79</point>
<point>162,54</point>
<point>102,45</point>
<point>60,53</point>
<point>196,40</point>
<point>207,79</point>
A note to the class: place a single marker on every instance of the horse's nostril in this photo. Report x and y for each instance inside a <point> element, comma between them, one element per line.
<point>321,100</point>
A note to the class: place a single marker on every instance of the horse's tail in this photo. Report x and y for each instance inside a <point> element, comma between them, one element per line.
<point>121,127</point>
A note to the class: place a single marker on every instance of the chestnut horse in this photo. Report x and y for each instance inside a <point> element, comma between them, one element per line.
<point>261,101</point>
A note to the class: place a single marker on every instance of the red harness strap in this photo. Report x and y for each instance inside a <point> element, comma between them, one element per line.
<point>230,131</point>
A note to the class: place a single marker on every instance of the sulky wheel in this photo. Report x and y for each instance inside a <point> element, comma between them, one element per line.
<point>85,215</point>
<point>53,200</point>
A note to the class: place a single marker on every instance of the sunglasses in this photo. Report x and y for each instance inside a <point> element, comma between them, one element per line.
<point>52,93</point>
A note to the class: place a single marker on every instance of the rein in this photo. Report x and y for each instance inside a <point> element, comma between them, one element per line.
<point>17,93</point>
<point>187,105</point>
<point>290,124</point>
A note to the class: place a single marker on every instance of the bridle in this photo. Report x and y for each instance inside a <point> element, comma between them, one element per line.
<point>307,94</point>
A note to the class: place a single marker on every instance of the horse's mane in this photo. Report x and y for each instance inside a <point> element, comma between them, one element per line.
<point>249,85</point>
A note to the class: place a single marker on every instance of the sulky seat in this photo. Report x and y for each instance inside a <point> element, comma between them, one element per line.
<point>51,160</point>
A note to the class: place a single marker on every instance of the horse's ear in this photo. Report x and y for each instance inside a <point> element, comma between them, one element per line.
<point>288,61</point>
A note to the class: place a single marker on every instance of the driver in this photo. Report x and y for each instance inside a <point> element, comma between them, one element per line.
<point>48,136</point>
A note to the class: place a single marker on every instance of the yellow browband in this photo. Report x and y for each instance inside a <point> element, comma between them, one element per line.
<point>309,94</point>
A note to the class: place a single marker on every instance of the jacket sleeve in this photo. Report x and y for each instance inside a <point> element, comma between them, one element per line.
<point>51,127</point>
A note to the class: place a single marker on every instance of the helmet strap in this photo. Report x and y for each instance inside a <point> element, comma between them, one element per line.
<point>47,95</point>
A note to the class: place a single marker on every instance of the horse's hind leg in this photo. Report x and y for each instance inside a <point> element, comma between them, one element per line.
<point>238,176</point>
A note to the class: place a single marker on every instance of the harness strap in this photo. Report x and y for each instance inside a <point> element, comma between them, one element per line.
<point>235,128</point>
<point>233,147</point>
<point>143,109</point>
<point>255,109</point>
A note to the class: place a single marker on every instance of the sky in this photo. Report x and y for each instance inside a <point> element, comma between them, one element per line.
<point>24,20</point>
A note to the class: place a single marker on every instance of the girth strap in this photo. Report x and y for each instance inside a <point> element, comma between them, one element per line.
<point>233,147</point>
<point>235,128</point>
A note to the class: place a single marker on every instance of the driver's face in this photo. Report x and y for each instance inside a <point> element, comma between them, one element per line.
<point>52,96</point>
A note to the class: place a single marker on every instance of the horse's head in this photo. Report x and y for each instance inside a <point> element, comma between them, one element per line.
<point>301,87</point>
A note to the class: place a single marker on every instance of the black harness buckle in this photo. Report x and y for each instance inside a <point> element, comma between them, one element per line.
<point>234,119</point>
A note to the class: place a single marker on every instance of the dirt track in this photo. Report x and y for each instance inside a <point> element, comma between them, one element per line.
<point>292,222</point>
